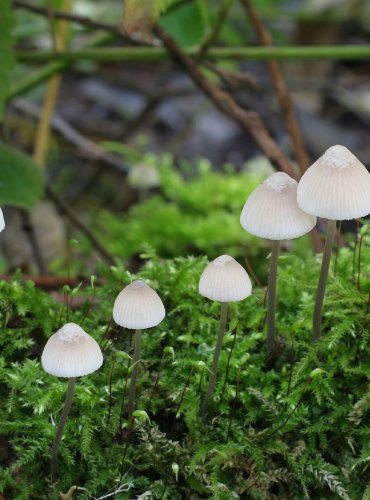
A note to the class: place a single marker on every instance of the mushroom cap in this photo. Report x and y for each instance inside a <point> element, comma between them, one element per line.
<point>2,222</point>
<point>336,186</point>
<point>138,306</point>
<point>143,176</point>
<point>71,352</point>
<point>225,280</point>
<point>272,211</point>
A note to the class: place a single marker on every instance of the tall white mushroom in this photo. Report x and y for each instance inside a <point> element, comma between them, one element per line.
<point>70,353</point>
<point>223,280</point>
<point>137,307</point>
<point>335,187</point>
<point>272,212</point>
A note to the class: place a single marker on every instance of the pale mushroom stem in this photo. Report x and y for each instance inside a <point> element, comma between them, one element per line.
<point>330,235</point>
<point>271,296</point>
<point>62,421</point>
<point>216,357</point>
<point>135,373</point>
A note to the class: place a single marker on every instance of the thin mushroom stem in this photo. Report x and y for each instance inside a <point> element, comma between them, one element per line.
<point>135,373</point>
<point>271,296</point>
<point>216,357</point>
<point>62,421</point>
<point>316,333</point>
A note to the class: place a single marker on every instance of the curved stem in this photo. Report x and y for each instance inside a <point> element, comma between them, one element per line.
<point>316,333</point>
<point>135,373</point>
<point>216,357</point>
<point>271,296</point>
<point>62,421</point>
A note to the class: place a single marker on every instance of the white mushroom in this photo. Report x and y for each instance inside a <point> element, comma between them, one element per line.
<point>137,307</point>
<point>272,212</point>
<point>70,353</point>
<point>336,187</point>
<point>223,280</point>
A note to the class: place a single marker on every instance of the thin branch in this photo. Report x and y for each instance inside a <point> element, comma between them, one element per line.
<point>88,148</point>
<point>281,90</point>
<point>337,52</point>
<point>82,20</point>
<point>78,223</point>
<point>214,34</point>
<point>250,121</point>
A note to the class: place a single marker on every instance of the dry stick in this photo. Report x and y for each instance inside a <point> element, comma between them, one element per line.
<point>135,373</point>
<point>129,430</point>
<point>214,34</point>
<point>156,380</point>
<point>228,367</point>
<point>183,394</point>
<point>87,148</point>
<point>280,89</point>
<point>216,357</point>
<point>234,404</point>
<point>30,230</point>
<point>62,421</point>
<point>250,121</point>
<point>359,263</point>
<point>77,222</point>
<point>271,296</point>
<point>316,332</point>
<point>105,332</point>
<point>251,272</point>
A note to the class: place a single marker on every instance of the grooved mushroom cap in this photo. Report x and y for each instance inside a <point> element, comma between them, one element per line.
<point>143,176</point>
<point>225,280</point>
<point>2,222</point>
<point>71,352</point>
<point>138,306</point>
<point>336,186</point>
<point>272,211</point>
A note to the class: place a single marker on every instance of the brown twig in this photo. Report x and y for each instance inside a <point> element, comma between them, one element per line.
<point>228,368</point>
<point>234,404</point>
<point>66,209</point>
<point>252,273</point>
<point>214,33</point>
<point>82,20</point>
<point>281,89</point>
<point>28,227</point>
<point>250,121</point>
<point>87,148</point>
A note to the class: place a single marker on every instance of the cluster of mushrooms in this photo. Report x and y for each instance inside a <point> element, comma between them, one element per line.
<point>335,187</point>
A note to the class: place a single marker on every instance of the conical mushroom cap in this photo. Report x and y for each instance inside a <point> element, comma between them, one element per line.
<point>225,280</point>
<point>138,306</point>
<point>2,222</point>
<point>272,211</point>
<point>71,352</point>
<point>143,176</point>
<point>336,186</point>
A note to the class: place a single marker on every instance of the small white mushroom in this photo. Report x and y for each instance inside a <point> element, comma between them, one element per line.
<point>223,280</point>
<point>137,307</point>
<point>272,212</point>
<point>336,187</point>
<point>70,353</point>
<point>2,222</point>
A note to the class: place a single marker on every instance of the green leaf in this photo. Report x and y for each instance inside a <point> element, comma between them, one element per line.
<point>7,59</point>
<point>20,179</point>
<point>187,23</point>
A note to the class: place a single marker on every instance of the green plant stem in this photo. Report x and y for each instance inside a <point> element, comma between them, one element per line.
<point>316,333</point>
<point>62,421</point>
<point>216,357</point>
<point>271,296</point>
<point>135,373</point>
<point>337,52</point>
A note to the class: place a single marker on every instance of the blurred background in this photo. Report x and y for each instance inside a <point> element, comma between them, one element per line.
<point>132,154</point>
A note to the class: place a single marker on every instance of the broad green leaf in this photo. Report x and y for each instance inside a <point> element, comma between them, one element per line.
<point>187,23</point>
<point>21,182</point>
<point>7,60</point>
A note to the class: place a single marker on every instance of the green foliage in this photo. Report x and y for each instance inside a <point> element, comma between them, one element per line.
<point>20,179</point>
<point>187,22</point>
<point>7,58</point>
<point>298,431</point>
